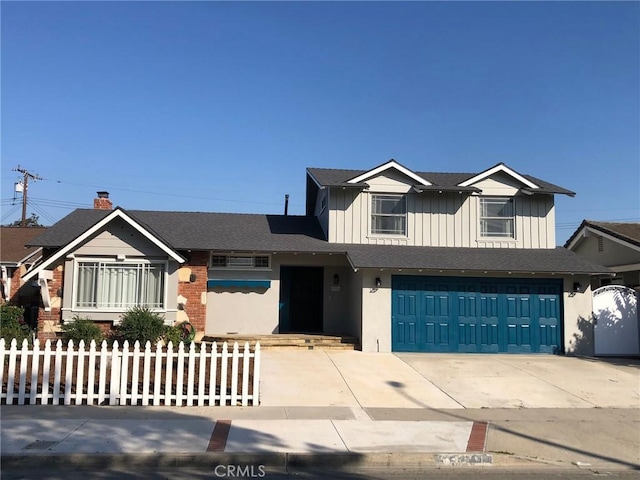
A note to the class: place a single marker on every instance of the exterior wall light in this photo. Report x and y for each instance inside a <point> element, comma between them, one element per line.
<point>378,282</point>
<point>336,279</point>
<point>577,287</point>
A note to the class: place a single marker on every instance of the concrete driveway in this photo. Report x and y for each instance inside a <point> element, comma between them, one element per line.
<point>445,381</point>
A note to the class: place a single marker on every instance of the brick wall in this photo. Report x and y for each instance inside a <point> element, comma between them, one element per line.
<point>193,292</point>
<point>49,323</point>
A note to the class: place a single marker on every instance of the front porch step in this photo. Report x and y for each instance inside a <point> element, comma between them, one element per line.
<point>290,341</point>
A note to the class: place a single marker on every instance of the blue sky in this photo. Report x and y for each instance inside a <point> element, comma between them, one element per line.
<point>221,106</point>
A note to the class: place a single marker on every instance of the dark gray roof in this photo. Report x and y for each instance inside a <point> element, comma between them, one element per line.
<point>337,177</point>
<point>204,231</point>
<point>625,231</point>
<point>556,260</point>
<point>279,233</point>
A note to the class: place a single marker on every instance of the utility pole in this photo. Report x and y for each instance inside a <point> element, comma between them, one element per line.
<point>25,183</point>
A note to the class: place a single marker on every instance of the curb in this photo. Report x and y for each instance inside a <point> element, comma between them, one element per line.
<point>271,460</point>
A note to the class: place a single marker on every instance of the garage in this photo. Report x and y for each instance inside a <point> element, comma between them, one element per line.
<point>480,315</point>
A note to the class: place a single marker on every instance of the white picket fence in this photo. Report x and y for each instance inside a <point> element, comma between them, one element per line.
<point>69,375</point>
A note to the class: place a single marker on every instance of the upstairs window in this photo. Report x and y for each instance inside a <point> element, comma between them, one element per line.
<point>240,261</point>
<point>389,214</point>
<point>497,217</point>
<point>120,286</point>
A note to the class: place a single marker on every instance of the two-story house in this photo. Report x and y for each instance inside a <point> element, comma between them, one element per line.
<point>402,260</point>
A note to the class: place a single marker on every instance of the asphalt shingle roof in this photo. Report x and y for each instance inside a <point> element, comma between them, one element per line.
<point>626,231</point>
<point>337,177</point>
<point>557,260</point>
<point>13,241</point>
<point>279,233</point>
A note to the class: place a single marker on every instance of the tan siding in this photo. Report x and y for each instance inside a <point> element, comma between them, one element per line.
<point>442,220</point>
<point>119,238</point>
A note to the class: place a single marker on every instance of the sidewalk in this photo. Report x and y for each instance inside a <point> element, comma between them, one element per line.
<point>352,409</point>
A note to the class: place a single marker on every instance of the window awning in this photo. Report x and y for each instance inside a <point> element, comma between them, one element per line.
<point>239,283</point>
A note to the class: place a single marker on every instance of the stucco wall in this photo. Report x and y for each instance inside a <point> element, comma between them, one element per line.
<point>376,313</point>
<point>578,320</point>
<point>256,310</point>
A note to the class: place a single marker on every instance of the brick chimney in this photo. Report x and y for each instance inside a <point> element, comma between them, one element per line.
<point>102,202</point>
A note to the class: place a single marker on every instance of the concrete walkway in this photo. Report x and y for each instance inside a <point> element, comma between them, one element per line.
<point>361,409</point>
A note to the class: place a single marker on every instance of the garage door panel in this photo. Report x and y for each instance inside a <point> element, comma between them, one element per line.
<point>479,315</point>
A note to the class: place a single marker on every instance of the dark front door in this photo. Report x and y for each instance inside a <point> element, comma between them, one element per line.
<point>301,299</point>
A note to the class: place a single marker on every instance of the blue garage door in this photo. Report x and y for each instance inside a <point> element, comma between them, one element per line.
<point>440,314</point>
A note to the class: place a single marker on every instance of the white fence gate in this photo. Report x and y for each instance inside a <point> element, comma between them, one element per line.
<point>67,375</point>
<point>616,329</point>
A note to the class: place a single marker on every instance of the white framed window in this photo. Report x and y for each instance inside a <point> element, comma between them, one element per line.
<point>234,261</point>
<point>497,217</point>
<point>109,285</point>
<point>389,214</point>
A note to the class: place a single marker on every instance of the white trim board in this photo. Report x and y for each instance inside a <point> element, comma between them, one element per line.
<point>117,213</point>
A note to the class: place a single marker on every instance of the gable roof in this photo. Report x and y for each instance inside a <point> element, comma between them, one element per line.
<point>13,241</point>
<point>500,167</point>
<point>391,164</point>
<point>623,232</point>
<point>205,230</point>
<point>331,177</point>
<point>92,229</point>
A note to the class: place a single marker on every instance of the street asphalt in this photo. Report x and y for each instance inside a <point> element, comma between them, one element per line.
<point>345,410</point>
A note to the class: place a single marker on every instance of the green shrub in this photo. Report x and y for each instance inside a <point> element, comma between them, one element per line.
<point>142,325</point>
<point>172,334</point>
<point>82,329</point>
<point>12,324</point>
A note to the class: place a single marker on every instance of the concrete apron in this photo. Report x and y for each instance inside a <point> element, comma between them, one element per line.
<point>443,381</point>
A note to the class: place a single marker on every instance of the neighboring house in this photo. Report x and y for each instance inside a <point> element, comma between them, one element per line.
<point>402,260</point>
<point>613,244</point>
<point>15,259</point>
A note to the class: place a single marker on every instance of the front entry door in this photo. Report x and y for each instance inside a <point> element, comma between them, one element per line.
<point>301,299</point>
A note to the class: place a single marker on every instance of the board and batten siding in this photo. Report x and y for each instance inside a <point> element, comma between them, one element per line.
<point>448,219</point>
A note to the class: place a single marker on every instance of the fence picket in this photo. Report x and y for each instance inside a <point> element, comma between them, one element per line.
<point>256,375</point>
<point>124,373</point>
<point>24,353</point>
<point>191,373</point>
<point>234,374</point>
<point>80,374</point>
<point>57,373</point>
<point>223,374</point>
<point>114,381</point>
<point>157,375</point>
<point>213,371</point>
<point>13,350</point>
<point>201,373</point>
<point>91,372</point>
<point>246,355</point>
<point>103,372</point>
<point>46,368</point>
<point>111,366</point>
<point>68,370</point>
<point>168,383</point>
<point>146,376</point>
<point>179,370</point>
<point>35,364</point>
<point>135,373</point>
